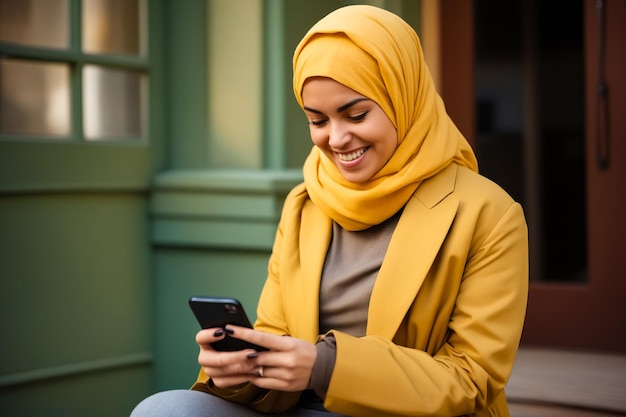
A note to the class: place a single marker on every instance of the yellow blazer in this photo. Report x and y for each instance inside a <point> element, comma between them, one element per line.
<point>446,312</point>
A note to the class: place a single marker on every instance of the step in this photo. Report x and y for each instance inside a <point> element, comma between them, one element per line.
<point>580,381</point>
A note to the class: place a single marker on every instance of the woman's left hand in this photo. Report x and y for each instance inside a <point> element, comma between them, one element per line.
<point>286,366</point>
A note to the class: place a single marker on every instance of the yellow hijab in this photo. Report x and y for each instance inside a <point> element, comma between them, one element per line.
<point>377,54</point>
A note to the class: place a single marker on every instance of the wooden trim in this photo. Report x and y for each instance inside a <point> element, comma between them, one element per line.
<point>77,368</point>
<point>457,51</point>
<point>45,165</point>
<point>430,37</point>
<point>216,209</point>
<point>58,55</point>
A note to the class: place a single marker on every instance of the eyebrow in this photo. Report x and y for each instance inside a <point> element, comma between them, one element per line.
<point>340,109</point>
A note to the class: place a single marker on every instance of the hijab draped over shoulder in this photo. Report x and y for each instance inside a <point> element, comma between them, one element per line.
<point>377,54</point>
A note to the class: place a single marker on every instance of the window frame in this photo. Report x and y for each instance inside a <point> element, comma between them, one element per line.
<point>29,163</point>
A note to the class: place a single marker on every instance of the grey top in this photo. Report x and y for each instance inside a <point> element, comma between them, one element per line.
<point>349,273</point>
<point>350,270</point>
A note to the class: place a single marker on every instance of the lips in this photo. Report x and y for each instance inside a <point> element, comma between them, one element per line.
<point>351,156</point>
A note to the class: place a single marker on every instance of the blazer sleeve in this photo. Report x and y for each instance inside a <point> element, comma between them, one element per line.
<point>468,372</point>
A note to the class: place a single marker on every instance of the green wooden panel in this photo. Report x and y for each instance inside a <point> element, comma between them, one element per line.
<point>222,205</point>
<point>29,165</point>
<point>186,85</point>
<point>74,282</point>
<point>237,181</point>
<point>217,234</point>
<point>102,394</point>
<point>275,84</point>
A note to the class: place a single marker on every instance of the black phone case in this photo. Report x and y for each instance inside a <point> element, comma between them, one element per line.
<point>218,312</point>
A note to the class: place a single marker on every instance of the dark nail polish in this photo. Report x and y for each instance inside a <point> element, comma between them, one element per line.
<point>218,332</point>
<point>228,331</point>
<point>252,355</point>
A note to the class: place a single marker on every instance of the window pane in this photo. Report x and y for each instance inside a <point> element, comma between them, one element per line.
<point>113,103</point>
<point>35,22</point>
<point>34,98</point>
<point>114,26</point>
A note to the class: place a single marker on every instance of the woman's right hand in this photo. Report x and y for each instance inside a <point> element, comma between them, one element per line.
<point>236,367</point>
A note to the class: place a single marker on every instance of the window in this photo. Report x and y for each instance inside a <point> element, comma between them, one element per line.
<point>74,70</point>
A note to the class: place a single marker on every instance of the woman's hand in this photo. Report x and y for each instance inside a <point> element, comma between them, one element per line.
<point>287,366</point>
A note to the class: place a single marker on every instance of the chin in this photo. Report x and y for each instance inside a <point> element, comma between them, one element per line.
<point>355,179</point>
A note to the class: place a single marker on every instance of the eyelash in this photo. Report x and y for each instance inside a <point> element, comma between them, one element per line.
<point>356,118</point>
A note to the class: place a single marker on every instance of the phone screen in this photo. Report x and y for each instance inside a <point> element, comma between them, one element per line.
<point>218,312</point>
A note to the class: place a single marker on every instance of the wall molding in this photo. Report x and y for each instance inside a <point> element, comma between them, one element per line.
<point>226,209</point>
<point>77,368</point>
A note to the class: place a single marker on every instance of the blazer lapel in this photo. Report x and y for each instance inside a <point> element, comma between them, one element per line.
<point>420,232</point>
<point>315,235</point>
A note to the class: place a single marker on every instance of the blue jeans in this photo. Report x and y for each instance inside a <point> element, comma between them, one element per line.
<point>188,403</point>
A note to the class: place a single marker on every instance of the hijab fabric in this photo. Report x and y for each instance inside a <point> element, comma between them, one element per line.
<point>377,54</point>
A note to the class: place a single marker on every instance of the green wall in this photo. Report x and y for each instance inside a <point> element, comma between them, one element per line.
<point>74,321</point>
<point>76,285</point>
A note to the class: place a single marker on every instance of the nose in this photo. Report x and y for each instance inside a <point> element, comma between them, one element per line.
<point>339,135</point>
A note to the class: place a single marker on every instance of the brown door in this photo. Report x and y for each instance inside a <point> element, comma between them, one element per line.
<point>539,88</point>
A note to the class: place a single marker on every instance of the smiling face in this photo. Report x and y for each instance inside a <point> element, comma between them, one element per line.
<point>352,130</point>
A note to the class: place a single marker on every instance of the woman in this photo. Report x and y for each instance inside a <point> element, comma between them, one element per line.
<point>397,283</point>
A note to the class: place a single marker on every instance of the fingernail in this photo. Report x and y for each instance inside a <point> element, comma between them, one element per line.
<point>218,332</point>
<point>252,355</point>
<point>229,331</point>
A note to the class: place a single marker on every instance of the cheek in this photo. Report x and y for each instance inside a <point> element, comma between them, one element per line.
<point>317,137</point>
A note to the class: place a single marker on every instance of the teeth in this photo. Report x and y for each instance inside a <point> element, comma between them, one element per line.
<point>352,155</point>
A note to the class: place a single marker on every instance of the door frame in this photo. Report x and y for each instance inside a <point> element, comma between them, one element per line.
<point>590,316</point>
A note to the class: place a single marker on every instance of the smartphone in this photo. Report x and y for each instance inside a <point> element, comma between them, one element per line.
<point>218,312</point>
